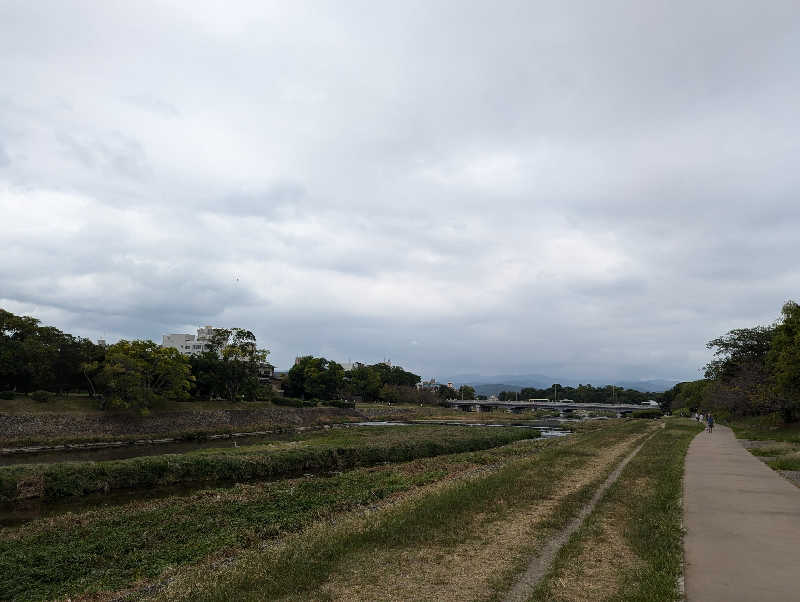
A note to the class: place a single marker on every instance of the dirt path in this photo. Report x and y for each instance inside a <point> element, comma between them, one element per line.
<point>541,563</point>
<point>742,525</point>
<point>465,571</point>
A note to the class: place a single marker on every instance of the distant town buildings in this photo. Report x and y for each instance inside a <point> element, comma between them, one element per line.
<point>189,344</point>
<point>428,385</point>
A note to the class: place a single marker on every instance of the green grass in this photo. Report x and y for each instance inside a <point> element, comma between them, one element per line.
<point>765,428</point>
<point>112,548</point>
<point>790,461</point>
<point>648,518</point>
<point>339,449</point>
<point>444,517</point>
<point>776,449</point>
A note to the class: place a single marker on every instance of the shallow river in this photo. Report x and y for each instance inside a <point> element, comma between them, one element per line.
<point>13,514</point>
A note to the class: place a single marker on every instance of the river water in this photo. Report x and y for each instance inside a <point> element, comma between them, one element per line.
<point>17,513</point>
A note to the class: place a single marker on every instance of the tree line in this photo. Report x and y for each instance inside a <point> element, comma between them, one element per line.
<point>754,371</point>
<point>129,374</point>
<point>320,378</point>
<point>138,374</point>
<point>581,393</point>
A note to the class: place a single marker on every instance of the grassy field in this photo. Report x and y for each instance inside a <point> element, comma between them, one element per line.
<point>454,542</point>
<point>114,548</point>
<point>780,455</point>
<point>448,527</point>
<point>335,450</point>
<point>765,428</point>
<point>630,547</point>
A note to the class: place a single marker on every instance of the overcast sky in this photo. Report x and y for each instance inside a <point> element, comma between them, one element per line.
<point>580,189</point>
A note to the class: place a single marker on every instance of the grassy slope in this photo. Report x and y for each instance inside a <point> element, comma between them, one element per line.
<point>299,566</point>
<point>631,544</point>
<point>786,448</point>
<point>82,404</point>
<point>765,428</point>
<point>339,449</point>
<point>112,548</point>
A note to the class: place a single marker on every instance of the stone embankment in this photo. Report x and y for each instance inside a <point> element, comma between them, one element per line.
<point>32,429</point>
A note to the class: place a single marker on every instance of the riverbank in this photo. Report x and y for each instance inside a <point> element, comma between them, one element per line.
<point>33,429</point>
<point>76,421</point>
<point>335,450</point>
<point>144,549</point>
<point>454,539</point>
<point>125,546</point>
<point>630,546</point>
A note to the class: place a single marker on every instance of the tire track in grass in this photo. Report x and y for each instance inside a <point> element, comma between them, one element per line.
<point>302,566</point>
<point>540,565</point>
<point>629,547</point>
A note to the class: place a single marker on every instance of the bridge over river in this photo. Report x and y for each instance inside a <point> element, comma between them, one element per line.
<point>535,404</point>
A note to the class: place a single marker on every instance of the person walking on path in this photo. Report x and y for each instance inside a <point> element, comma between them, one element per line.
<point>742,524</point>
<point>710,423</point>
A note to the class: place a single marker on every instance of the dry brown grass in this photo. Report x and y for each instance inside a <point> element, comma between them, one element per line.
<point>463,572</point>
<point>595,574</point>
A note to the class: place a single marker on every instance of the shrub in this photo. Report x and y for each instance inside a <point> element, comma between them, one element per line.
<point>7,394</point>
<point>341,403</point>
<point>42,396</point>
<point>291,402</point>
<point>651,413</point>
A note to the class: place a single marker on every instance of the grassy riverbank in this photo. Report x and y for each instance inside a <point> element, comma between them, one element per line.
<point>336,450</point>
<point>179,421</point>
<point>630,547</point>
<point>454,526</point>
<point>113,548</point>
<point>449,541</point>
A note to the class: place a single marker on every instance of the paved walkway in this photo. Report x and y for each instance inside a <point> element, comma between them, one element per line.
<point>742,524</point>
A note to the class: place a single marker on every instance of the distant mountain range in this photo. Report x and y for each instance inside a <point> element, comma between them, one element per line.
<point>492,385</point>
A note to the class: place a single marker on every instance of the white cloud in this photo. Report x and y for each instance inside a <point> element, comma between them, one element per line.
<point>549,188</point>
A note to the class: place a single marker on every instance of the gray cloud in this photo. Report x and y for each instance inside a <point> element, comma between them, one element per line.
<point>576,189</point>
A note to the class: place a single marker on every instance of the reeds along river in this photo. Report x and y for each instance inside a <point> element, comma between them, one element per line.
<point>71,486</point>
<point>130,449</point>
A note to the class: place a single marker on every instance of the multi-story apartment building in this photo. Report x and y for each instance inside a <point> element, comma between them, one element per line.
<point>189,344</point>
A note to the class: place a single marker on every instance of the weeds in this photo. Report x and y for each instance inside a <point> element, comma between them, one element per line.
<point>637,527</point>
<point>336,451</point>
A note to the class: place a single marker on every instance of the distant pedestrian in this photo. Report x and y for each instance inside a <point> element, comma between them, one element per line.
<point>710,423</point>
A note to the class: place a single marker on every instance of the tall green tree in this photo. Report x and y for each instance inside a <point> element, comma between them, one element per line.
<point>315,378</point>
<point>41,357</point>
<point>230,367</point>
<point>783,361</point>
<point>739,378</point>
<point>365,382</point>
<point>137,374</point>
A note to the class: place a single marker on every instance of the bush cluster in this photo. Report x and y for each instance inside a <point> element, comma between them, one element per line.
<point>42,396</point>
<point>293,402</point>
<point>7,394</point>
<point>651,413</point>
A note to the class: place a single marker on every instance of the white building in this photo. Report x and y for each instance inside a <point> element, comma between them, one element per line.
<point>189,344</point>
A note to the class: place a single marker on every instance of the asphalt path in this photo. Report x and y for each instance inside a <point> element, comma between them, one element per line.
<point>742,522</point>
